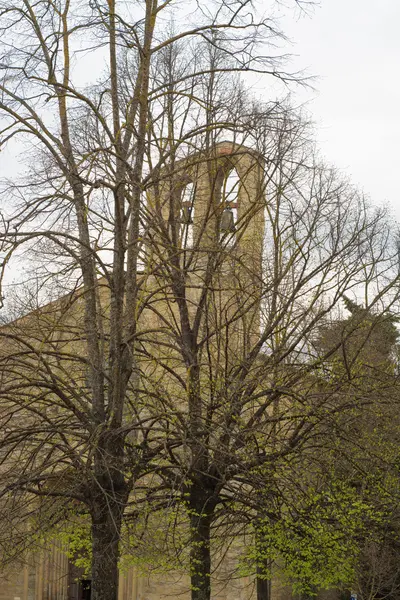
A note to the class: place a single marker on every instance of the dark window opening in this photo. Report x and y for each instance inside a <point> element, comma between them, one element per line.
<point>85,589</point>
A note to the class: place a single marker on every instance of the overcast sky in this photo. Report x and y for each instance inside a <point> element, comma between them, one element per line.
<point>353,46</point>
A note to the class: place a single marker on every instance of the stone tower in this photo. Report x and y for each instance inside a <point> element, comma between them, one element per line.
<point>210,207</point>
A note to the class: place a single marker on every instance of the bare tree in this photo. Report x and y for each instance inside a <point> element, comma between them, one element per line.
<point>71,393</point>
<point>241,299</point>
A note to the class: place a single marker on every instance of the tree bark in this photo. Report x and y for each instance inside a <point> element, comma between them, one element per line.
<point>200,556</point>
<point>263,567</point>
<point>201,505</point>
<point>109,495</point>
<point>106,530</point>
<point>263,585</point>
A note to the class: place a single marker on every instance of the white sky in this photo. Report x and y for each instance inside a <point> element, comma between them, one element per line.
<point>353,47</point>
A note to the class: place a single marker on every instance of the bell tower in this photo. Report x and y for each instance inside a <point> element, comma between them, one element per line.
<point>228,232</point>
<point>211,207</point>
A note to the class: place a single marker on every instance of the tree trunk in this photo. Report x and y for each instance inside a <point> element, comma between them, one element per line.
<point>106,530</point>
<point>263,568</point>
<point>200,554</point>
<point>109,496</point>
<point>263,585</point>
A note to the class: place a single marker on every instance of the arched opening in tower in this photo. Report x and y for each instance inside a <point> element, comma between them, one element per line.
<point>229,202</point>
<point>187,215</point>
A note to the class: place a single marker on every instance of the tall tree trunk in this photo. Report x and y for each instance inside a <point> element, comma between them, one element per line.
<point>106,531</point>
<point>202,506</point>
<point>263,567</point>
<point>263,585</point>
<point>108,501</point>
<point>200,557</point>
